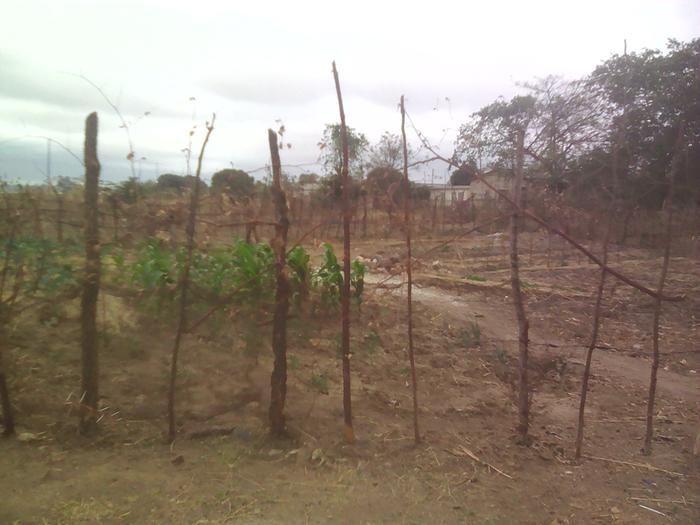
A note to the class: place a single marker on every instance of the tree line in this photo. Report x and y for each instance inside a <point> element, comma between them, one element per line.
<point>630,108</point>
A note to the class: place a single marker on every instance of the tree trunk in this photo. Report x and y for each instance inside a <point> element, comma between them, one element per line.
<point>278,380</point>
<point>523,326</point>
<point>184,286</point>
<point>409,302</point>
<point>89,398</point>
<point>345,296</point>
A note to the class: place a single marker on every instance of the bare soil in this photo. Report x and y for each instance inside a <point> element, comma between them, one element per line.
<point>469,468</point>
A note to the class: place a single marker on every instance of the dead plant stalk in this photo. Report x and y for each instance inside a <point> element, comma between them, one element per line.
<point>184,284</point>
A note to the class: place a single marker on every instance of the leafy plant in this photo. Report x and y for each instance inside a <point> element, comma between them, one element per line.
<point>328,277</point>
<point>153,268</point>
<point>357,280</point>
<point>300,273</point>
<point>242,273</point>
<point>38,268</point>
<point>253,271</point>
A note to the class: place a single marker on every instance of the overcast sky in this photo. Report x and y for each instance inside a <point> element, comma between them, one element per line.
<point>257,62</point>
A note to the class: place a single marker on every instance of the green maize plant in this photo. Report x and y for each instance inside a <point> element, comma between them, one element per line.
<point>328,278</point>
<point>299,275</point>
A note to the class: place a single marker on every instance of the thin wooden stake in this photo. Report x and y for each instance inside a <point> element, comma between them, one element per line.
<point>91,283</point>
<point>8,415</point>
<point>278,380</point>
<point>345,296</point>
<point>523,325</point>
<point>409,300</point>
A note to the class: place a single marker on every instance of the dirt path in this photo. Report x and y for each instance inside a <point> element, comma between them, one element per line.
<point>498,322</point>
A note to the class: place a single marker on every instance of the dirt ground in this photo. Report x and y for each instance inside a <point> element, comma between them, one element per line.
<point>469,469</point>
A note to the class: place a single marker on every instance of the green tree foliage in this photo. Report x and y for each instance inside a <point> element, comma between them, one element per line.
<point>561,120</point>
<point>331,158</point>
<point>649,95</point>
<point>462,176</point>
<point>178,183</point>
<point>632,104</point>
<point>133,190</point>
<point>388,152</point>
<point>331,190</point>
<point>387,183</point>
<point>488,138</point>
<point>569,121</point>
<point>419,192</point>
<point>332,152</point>
<point>379,180</point>
<point>236,182</point>
<point>308,178</point>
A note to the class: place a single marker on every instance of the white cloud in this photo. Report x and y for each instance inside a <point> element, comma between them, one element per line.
<point>255,62</point>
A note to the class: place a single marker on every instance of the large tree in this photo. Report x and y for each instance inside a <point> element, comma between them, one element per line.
<point>632,104</point>
<point>568,121</point>
<point>332,153</point>
<point>463,175</point>
<point>487,139</point>
<point>236,182</point>
<point>133,190</point>
<point>650,95</point>
<point>388,152</point>
<point>331,158</point>
<point>560,119</point>
<point>178,183</point>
